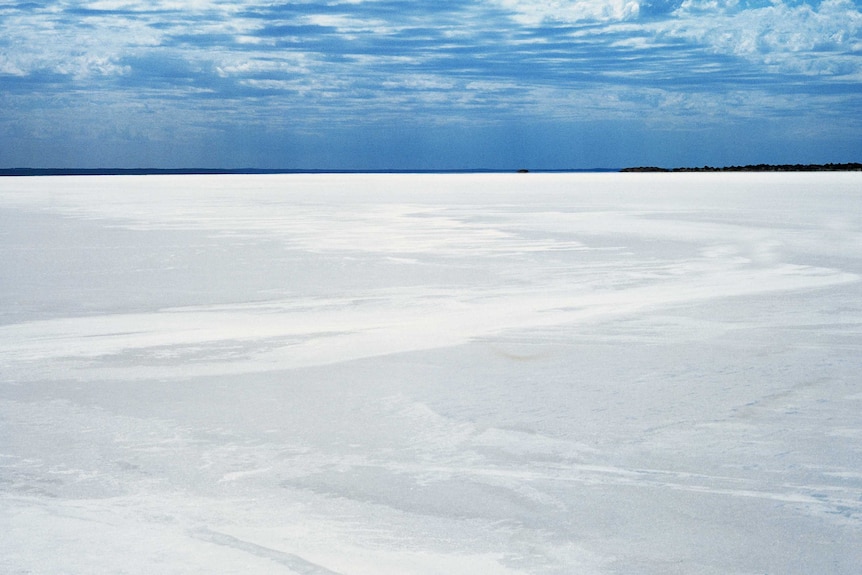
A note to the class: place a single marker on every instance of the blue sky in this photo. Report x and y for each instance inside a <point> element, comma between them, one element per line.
<point>396,84</point>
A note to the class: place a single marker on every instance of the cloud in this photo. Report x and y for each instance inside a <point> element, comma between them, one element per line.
<point>537,12</point>
<point>161,69</point>
<point>801,38</point>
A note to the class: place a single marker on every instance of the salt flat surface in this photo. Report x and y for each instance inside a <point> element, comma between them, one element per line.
<point>428,374</point>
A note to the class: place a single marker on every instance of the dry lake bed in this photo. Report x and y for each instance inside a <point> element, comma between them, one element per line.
<point>431,374</point>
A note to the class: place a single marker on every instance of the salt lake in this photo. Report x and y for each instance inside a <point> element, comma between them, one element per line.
<point>431,373</point>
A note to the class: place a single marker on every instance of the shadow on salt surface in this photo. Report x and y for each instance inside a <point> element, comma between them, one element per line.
<point>456,470</point>
<point>332,556</point>
<point>210,352</point>
<point>293,562</point>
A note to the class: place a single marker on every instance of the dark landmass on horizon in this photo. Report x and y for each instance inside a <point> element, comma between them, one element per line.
<point>849,167</point>
<point>846,167</point>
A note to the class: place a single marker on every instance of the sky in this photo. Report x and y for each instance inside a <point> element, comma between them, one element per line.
<point>435,85</point>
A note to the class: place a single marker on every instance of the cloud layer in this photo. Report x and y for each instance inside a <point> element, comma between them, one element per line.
<point>306,77</point>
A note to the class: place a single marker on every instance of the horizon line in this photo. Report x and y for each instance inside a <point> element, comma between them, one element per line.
<point>20,171</point>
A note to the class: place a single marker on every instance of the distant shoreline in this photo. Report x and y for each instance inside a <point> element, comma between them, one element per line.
<point>252,171</point>
<point>850,167</point>
<point>847,167</point>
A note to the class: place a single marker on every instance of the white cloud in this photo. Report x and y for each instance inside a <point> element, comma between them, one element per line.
<point>350,24</point>
<point>623,64</point>
<point>150,5</point>
<point>801,38</point>
<point>89,47</point>
<point>10,67</point>
<point>534,12</point>
<point>420,82</point>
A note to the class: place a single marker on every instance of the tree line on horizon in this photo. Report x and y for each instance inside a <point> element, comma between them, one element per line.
<point>847,167</point>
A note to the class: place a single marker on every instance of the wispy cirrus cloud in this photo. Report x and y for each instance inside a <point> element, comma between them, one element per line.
<point>536,12</point>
